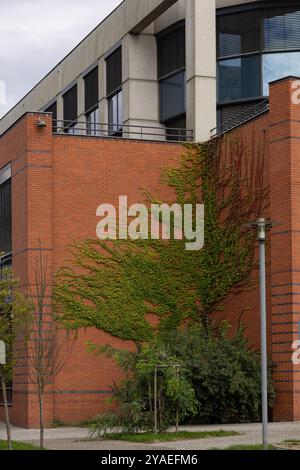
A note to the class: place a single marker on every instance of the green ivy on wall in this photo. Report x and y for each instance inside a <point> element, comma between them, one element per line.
<point>113,286</point>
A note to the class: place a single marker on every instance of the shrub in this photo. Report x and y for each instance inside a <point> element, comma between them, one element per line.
<point>219,382</point>
<point>224,372</point>
<point>135,394</point>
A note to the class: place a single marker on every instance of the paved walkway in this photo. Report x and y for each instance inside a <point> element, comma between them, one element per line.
<point>77,438</point>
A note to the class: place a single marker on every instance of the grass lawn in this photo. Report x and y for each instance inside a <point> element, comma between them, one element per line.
<point>245,447</point>
<point>18,446</point>
<point>168,436</point>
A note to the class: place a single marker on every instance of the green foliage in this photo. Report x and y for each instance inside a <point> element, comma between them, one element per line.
<point>219,382</point>
<point>223,371</point>
<point>151,437</point>
<point>58,423</point>
<point>15,319</point>
<point>114,286</point>
<point>246,447</point>
<point>117,287</point>
<point>18,446</point>
<point>228,180</point>
<point>135,395</point>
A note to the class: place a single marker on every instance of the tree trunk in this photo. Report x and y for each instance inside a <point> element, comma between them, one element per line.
<point>7,423</point>
<point>42,422</point>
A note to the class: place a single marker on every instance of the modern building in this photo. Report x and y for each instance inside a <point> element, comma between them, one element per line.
<point>105,122</point>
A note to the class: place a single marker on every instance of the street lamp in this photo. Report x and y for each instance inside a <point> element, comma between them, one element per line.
<point>262,225</point>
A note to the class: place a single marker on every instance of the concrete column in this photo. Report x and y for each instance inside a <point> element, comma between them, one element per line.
<point>140,86</point>
<point>201,67</point>
<point>60,112</point>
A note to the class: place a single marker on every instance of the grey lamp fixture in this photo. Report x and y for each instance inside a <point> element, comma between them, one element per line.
<point>262,225</point>
<point>41,123</point>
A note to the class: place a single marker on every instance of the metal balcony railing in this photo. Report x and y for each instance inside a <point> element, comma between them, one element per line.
<point>241,118</point>
<point>106,130</point>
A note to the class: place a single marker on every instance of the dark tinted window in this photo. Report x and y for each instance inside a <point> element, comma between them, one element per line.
<point>239,33</point>
<point>171,51</point>
<point>115,114</point>
<point>114,71</point>
<point>70,106</point>
<point>282,29</point>
<point>172,97</point>
<point>239,78</point>
<point>53,109</point>
<point>91,90</point>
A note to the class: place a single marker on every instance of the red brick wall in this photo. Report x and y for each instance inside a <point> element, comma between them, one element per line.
<point>88,172</point>
<point>280,128</point>
<point>58,183</point>
<point>284,148</point>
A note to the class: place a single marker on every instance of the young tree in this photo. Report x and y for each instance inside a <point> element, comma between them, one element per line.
<point>15,323</point>
<point>154,395</point>
<point>48,351</point>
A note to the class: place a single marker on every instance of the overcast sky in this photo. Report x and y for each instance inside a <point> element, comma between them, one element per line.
<point>36,34</point>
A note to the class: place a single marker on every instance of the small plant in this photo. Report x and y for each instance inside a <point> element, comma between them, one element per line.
<point>57,423</point>
<point>136,395</point>
<point>110,424</point>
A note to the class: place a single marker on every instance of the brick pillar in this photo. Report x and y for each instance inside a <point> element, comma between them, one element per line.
<point>32,227</point>
<point>284,154</point>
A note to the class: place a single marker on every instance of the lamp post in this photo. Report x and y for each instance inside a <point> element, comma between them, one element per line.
<point>262,225</point>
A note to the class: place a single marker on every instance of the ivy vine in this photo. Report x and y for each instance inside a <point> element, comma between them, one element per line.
<point>135,289</point>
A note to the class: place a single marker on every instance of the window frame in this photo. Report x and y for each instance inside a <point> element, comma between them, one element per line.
<point>263,7</point>
<point>112,89</point>
<point>53,110</point>
<point>112,130</point>
<point>89,78</point>
<point>93,125</point>
<point>69,125</point>
<point>164,119</point>
<point>179,68</point>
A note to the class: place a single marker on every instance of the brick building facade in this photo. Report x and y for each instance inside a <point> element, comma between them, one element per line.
<point>58,181</point>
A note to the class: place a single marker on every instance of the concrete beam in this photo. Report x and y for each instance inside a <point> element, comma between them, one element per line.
<point>151,11</point>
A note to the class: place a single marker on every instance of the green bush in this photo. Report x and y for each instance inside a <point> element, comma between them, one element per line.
<point>224,373</point>
<point>135,395</point>
<point>219,382</point>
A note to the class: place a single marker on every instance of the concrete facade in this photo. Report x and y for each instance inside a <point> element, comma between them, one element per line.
<point>134,24</point>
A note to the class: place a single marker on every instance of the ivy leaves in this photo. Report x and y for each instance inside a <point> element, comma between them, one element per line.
<point>134,289</point>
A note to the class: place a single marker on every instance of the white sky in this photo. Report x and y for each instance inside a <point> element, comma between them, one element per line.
<point>36,34</point>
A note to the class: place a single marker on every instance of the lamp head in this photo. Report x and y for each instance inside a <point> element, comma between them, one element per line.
<point>41,123</point>
<point>262,225</point>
